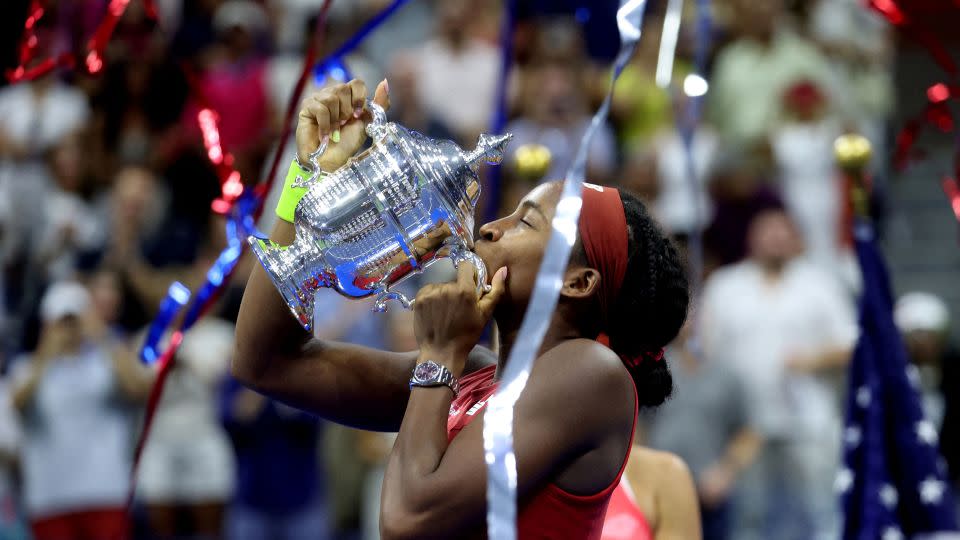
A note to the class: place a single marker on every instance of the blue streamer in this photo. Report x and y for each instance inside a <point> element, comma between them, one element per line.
<point>498,421</point>
<point>334,68</point>
<point>177,296</point>
<point>240,225</point>
<point>499,121</point>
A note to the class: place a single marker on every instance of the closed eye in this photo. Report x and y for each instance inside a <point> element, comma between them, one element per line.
<point>525,222</point>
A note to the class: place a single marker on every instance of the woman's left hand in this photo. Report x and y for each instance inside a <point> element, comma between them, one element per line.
<point>449,317</point>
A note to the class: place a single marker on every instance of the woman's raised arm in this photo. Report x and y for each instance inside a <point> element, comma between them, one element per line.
<point>346,383</point>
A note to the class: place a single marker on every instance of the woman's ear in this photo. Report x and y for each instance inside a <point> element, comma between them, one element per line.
<point>580,282</point>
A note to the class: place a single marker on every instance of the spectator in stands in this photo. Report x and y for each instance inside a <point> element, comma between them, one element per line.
<point>186,474</point>
<point>458,73</point>
<point>787,329</point>
<point>640,108</point>
<point>752,72</point>
<point>860,48</point>
<point>236,81</point>
<point>683,204</point>
<point>802,147</point>
<point>707,423</point>
<point>924,321</point>
<point>12,523</point>
<point>555,113</point>
<point>70,226</point>
<point>279,493</point>
<point>738,192</point>
<point>37,116</point>
<point>74,396</point>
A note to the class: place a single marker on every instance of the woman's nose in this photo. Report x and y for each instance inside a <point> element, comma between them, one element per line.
<point>490,232</point>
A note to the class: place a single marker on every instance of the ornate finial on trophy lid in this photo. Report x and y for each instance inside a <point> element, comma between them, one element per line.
<point>489,148</point>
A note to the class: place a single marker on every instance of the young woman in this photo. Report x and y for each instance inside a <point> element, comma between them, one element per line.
<point>574,420</point>
<point>656,500</point>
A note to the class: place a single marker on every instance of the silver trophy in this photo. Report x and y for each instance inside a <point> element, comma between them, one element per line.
<point>388,213</point>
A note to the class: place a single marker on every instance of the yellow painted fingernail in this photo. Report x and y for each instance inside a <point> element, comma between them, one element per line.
<point>335,136</point>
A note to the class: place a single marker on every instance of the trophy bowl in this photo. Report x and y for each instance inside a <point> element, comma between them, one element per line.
<point>388,213</point>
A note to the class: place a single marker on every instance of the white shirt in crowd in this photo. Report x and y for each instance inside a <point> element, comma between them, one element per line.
<point>749,80</point>
<point>188,457</point>
<point>680,206</point>
<point>10,440</point>
<point>76,436</point>
<point>37,122</point>
<point>755,326</point>
<point>458,86</point>
<point>812,191</point>
<point>65,212</point>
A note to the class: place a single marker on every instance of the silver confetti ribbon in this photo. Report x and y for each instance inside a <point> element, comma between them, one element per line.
<point>668,43</point>
<point>498,420</point>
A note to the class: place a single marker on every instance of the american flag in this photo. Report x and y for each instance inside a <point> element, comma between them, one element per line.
<point>892,482</point>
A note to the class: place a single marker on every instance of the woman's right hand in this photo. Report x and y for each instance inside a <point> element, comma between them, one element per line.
<point>340,107</point>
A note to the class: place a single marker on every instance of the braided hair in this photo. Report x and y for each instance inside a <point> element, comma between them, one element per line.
<point>652,304</point>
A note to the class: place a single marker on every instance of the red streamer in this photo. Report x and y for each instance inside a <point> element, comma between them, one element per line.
<point>93,60</point>
<point>231,183</point>
<point>952,189</point>
<point>231,187</point>
<point>917,28</point>
<point>917,20</point>
<point>166,363</point>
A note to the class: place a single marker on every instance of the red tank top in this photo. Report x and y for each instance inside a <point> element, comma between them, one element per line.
<point>552,513</point>
<point>625,520</point>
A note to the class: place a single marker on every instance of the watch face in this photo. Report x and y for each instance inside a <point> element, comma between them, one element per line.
<point>426,371</point>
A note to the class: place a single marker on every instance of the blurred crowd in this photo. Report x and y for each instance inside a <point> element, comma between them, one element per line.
<point>105,199</point>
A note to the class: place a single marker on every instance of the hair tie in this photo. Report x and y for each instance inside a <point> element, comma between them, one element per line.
<point>636,360</point>
<point>656,356</point>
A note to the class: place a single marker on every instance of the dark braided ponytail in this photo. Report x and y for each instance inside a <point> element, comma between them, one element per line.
<point>652,304</point>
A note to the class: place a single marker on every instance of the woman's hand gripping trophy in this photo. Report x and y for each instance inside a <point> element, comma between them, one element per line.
<point>337,114</point>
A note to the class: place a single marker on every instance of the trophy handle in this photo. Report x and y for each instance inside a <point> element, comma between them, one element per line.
<point>459,254</point>
<point>375,129</point>
<point>385,295</point>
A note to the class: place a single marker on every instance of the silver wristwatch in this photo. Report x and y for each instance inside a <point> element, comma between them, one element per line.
<point>430,373</point>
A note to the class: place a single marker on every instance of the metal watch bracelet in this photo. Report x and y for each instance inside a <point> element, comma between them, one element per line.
<point>429,374</point>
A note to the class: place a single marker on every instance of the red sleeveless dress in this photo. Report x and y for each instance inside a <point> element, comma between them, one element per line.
<point>625,520</point>
<point>552,513</point>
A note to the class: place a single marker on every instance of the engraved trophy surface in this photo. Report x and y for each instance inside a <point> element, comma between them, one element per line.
<point>388,213</point>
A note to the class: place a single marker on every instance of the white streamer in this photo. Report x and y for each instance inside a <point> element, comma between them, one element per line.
<point>668,43</point>
<point>498,420</point>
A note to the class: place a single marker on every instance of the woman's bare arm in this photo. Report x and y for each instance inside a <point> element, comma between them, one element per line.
<point>346,383</point>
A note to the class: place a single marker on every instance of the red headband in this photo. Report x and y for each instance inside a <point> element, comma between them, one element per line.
<point>603,232</point>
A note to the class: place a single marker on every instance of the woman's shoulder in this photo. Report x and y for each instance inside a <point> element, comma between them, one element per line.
<point>660,481</point>
<point>658,466</point>
<point>589,363</point>
<point>584,375</point>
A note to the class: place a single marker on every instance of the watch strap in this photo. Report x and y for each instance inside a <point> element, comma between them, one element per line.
<point>443,377</point>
